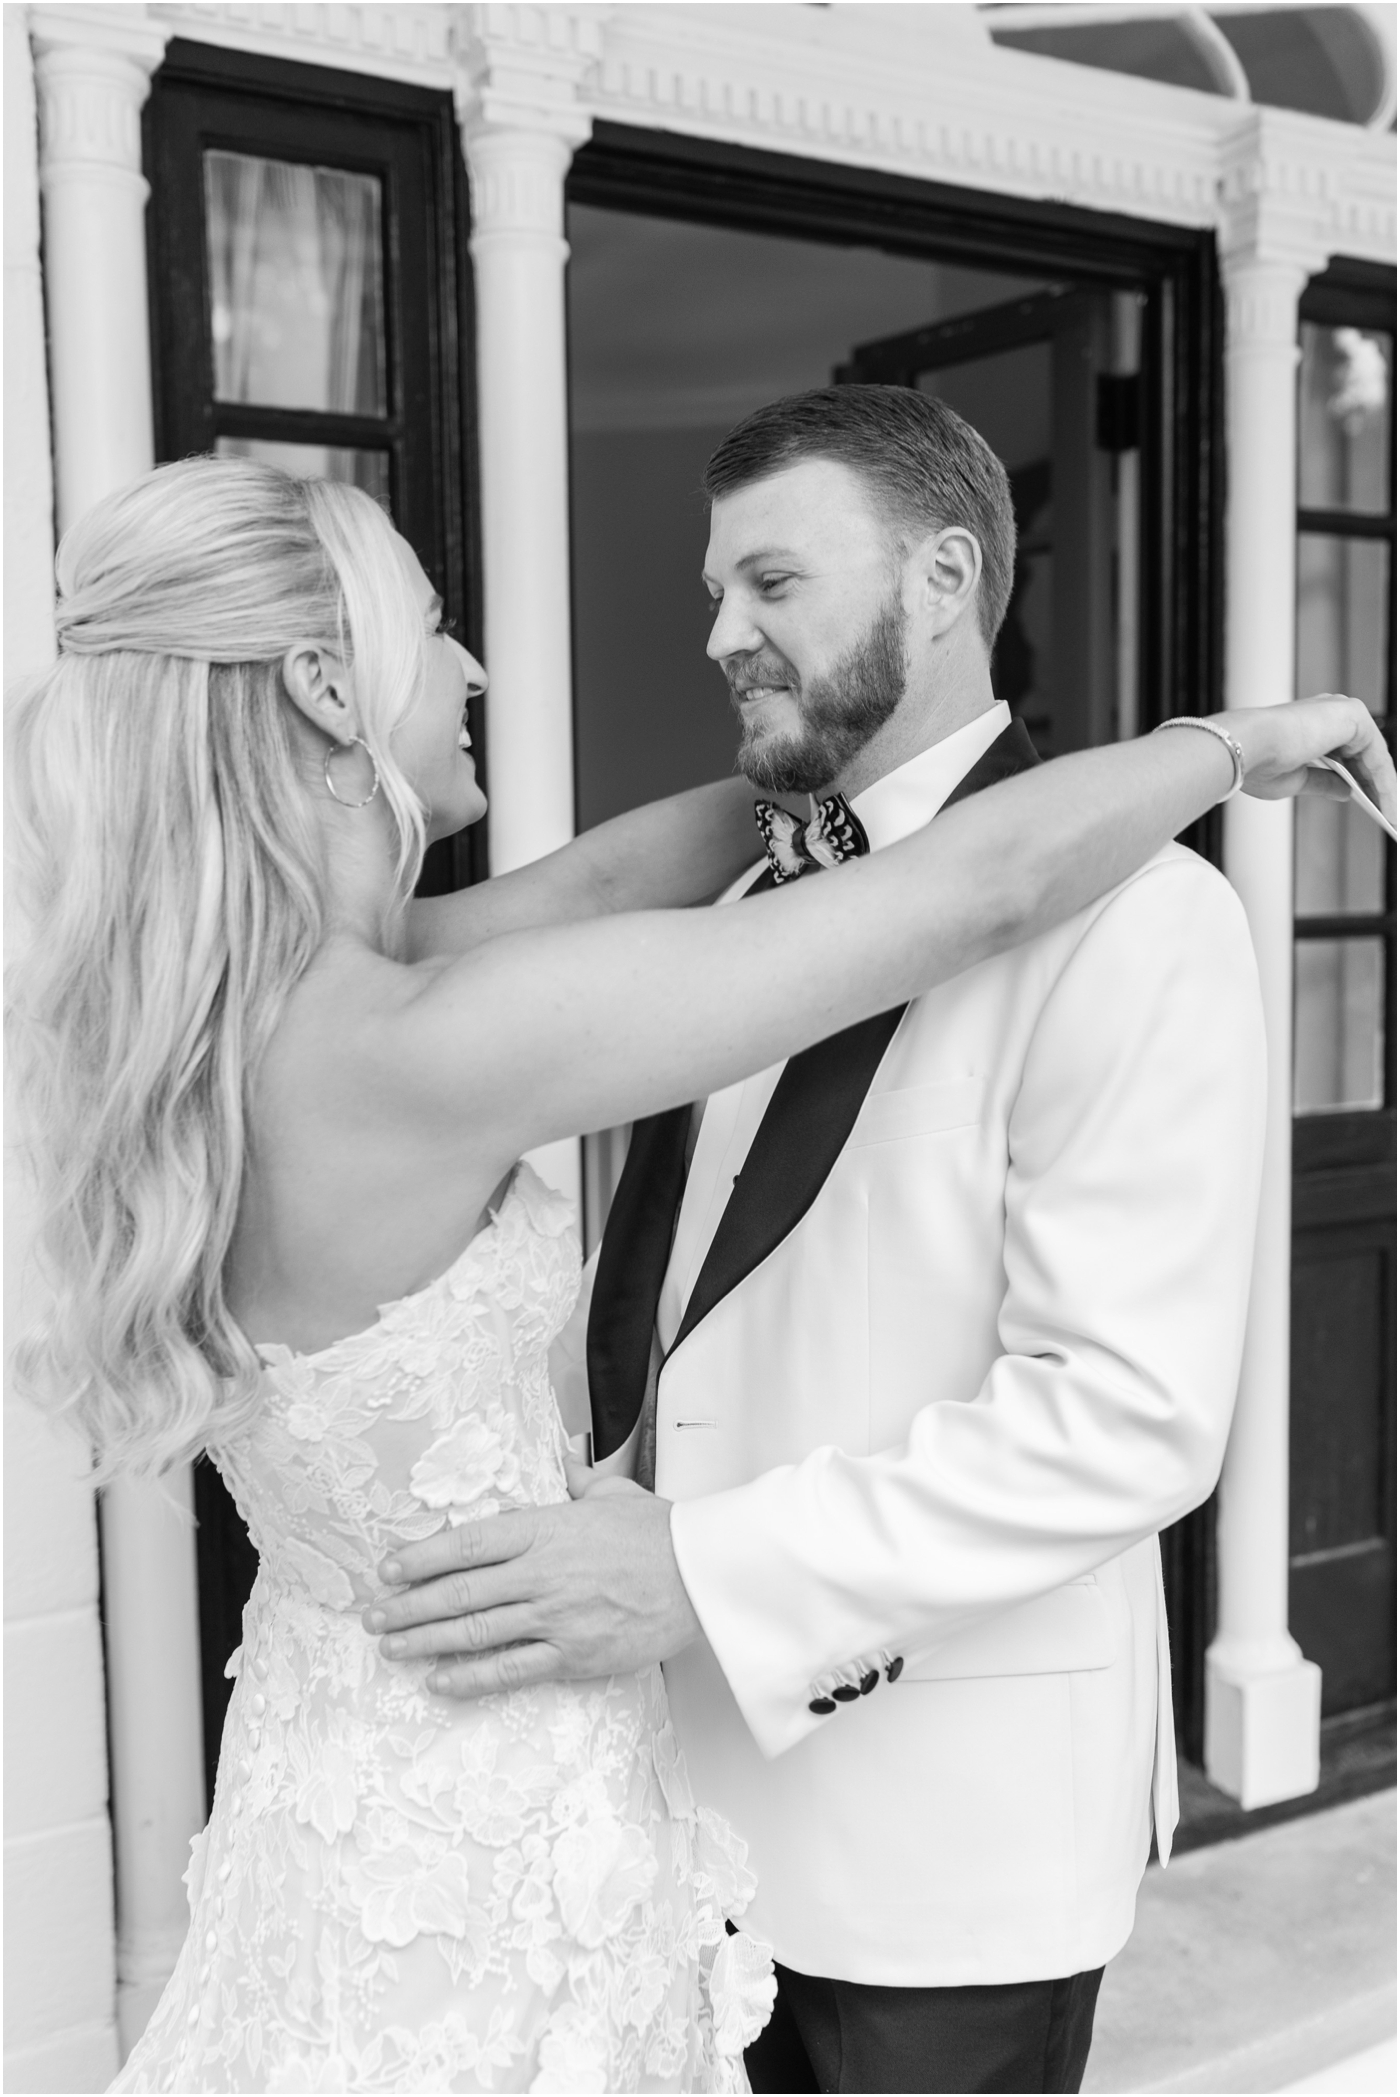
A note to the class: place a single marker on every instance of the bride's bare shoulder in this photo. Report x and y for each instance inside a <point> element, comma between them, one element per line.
<point>341,1023</point>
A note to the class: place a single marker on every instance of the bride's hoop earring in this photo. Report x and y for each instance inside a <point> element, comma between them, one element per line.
<point>336,750</point>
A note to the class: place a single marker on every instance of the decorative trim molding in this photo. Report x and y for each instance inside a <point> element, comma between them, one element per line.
<point>410,42</point>
<point>918,91</point>
<point>1298,190</point>
<point>126,31</point>
<point>523,68</point>
<point>897,88</point>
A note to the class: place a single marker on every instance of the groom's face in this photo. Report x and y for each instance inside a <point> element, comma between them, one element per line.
<point>809,621</point>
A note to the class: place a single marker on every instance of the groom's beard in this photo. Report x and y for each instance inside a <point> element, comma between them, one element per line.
<point>839,712</point>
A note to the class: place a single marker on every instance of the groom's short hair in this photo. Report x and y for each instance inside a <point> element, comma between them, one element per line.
<point>926,467</point>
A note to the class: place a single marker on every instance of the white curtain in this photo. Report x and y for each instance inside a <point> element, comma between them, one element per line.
<point>296,299</point>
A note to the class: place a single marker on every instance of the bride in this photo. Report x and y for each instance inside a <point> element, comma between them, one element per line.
<point>277,1107</point>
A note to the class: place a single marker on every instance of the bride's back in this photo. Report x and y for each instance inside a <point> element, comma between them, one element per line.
<point>352,1197</point>
<point>437,1407</point>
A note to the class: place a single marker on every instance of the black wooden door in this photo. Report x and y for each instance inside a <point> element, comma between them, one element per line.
<point>1080,657</point>
<point>310,306</point>
<point>1053,381</point>
<point>1342,1470</point>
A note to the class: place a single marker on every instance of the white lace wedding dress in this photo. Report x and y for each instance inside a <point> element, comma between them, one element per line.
<point>396,1891</point>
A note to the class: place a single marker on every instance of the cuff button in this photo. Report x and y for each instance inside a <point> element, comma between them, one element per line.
<point>895,1668</point>
<point>867,1682</point>
<point>821,1705</point>
<point>845,1693</point>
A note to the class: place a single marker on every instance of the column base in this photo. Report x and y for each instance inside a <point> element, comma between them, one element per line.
<point>1263,1730</point>
<point>136,2004</point>
<point>143,1969</point>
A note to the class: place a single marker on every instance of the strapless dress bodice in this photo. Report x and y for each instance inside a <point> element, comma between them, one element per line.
<point>399,1891</point>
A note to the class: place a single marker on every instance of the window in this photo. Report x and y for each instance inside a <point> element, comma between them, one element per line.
<point>1341,1600</point>
<point>310,300</point>
<point>1344,877</point>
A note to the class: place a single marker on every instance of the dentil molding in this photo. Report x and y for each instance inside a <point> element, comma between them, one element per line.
<point>915,89</point>
<point>408,41</point>
<point>94,25</point>
<point>911,90</point>
<point>528,68</point>
<point>1295,190</point>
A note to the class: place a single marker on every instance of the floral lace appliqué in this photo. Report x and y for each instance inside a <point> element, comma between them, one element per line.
<point>396,1891</point>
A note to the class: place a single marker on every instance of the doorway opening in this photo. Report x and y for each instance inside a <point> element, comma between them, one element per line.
<point>705,280</point>
<point>678,330</point>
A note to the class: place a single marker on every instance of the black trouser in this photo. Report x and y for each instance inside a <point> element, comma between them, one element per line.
<point>847,2035</point>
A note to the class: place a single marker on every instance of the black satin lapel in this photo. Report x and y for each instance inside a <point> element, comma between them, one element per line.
<point>814,1108</point>
<point>1012,752</point>
<point>632,1263</point>
<point>799,1139</point>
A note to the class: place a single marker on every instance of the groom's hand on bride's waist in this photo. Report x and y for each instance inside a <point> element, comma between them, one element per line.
<point>586,1588</point>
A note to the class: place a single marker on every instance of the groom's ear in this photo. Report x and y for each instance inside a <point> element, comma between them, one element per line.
<point>945,570</point>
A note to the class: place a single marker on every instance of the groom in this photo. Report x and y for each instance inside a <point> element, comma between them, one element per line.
<point>923,1336</point>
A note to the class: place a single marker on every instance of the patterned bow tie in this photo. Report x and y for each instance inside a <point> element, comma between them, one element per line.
<point>795,848</point>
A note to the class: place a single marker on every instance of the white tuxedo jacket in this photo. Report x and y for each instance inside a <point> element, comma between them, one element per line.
<point>940,1422</point>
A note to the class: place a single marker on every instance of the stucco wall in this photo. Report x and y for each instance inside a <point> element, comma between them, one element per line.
<point>60,2031</point>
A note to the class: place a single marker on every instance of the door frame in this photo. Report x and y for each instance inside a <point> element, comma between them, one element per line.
<point>1344,1181</point>
<point>660,174</point>
<point>443,508</point>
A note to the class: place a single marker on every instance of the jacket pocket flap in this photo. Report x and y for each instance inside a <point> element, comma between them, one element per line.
<point>1057,1634</point>
<point>918,1110</point>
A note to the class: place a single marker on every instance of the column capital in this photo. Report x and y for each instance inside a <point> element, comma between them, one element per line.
<point>93,69</point>
<point>517,179</point>
<point>1261,306</point>
<point>520,69</point>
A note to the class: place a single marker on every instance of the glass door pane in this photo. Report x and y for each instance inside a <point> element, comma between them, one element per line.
<point>1339,989</point>
<point>1345,395</point>
<point>1339,859</point>
<point>296,288</point>
<point>1060,410</point>
<point>1343,604</point>
<point>332,462</point>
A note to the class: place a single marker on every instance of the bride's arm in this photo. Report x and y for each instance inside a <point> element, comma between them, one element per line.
<point>661,857</point>
<point>541,1034</point>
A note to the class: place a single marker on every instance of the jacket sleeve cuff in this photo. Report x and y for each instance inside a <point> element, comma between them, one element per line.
<point>757,1643</point>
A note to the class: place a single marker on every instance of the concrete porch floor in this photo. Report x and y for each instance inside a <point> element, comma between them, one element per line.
<point>1267,1963</point>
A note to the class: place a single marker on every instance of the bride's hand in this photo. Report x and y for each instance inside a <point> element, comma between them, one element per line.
<point>1282,743</point>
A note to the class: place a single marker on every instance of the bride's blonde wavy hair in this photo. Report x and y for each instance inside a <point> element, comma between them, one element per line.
<point>174,878</point>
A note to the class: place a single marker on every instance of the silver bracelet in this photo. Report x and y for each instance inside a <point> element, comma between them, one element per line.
<point>1222,735</point>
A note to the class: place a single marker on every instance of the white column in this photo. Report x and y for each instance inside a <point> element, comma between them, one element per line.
<point>155,1725</point>
<point>60,1943</point>
<point>93,69</point>
<point>1263,1699</point>
<point>94,66</point>
<point>520,127</point>
<point>519,252</point>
